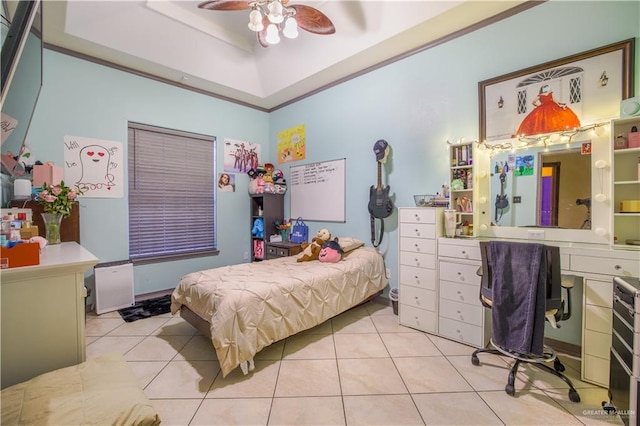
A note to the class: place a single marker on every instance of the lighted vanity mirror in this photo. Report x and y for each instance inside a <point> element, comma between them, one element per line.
<point>559,194</point>
<point>538,188</point>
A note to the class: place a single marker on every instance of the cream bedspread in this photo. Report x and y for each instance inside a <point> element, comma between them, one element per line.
<point>251,305</point>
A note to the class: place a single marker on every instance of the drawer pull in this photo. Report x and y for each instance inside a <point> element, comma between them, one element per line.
<point>417,232</point>
<point>617,267</point>
<point>417,216</point>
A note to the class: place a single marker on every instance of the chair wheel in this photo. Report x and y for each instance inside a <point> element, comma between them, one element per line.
<point>511,390</point>
<point>558,366</point>
<point>573,395</point>
<point>475,360</point>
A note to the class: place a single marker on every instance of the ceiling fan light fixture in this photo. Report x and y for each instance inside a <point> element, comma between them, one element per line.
<point>290,28</point>
<point>272,34</point>
<point>255,21</point>
<point>275,12</point>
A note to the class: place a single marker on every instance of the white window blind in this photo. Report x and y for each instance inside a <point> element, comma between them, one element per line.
<point>171,193</point>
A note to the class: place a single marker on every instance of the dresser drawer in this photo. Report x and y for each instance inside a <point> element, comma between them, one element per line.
<point>418,277</point>
<point>599,293</point>
<point>418,245</point>
<point>418,318</point>
<point>460,251</point>
<point>596,370</point>
<point>418,230</point>
<point>421,215</point>
<point>460,272</point>
<point>462,312</point>
<point>420,260</point>
<point>275,250</point>
<point>597,344</point>
<point>461,331</point>
<point>458,292</point>
<point>597,318</point>
<point>606,266</point>
<point>418,297</point>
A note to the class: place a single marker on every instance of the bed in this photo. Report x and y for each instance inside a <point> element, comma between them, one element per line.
<point>246,307</point>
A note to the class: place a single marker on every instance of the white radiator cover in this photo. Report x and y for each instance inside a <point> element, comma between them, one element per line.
<point>114,286</point>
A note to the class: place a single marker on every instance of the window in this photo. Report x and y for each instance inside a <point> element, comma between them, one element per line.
<point>171,193</point>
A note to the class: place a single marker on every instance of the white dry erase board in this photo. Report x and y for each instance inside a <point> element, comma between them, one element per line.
<point>317,191</point>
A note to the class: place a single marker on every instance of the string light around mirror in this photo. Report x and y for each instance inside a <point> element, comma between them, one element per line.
<point>546,140</point>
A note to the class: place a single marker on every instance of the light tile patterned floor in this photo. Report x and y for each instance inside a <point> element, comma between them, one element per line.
<point>360,368</point>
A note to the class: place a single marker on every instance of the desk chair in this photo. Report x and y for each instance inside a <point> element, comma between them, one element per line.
<point>555,310</point>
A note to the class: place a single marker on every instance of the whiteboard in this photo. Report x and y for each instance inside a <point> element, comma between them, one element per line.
<point>317,191</point>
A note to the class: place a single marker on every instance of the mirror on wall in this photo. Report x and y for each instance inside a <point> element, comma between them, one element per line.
<point>540,187</point>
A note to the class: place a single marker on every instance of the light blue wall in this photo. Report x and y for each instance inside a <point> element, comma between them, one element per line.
<point>415,104</point>
<point>422,101</point>
<point>80,98</point>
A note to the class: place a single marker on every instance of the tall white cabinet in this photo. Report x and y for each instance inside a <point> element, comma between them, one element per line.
<point>626,185</point>
<point>418,274</point>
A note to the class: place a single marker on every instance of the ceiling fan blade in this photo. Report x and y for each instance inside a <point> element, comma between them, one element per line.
<point>312,20</point>
<point>225,5</point>
<point>262,35</point>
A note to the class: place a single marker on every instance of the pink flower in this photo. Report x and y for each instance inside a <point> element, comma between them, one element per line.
<point>59,198</point>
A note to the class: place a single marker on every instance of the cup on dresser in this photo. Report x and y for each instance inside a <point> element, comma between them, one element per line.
<point>450,223</point>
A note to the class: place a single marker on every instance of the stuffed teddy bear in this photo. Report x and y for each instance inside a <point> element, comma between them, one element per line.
<point>331,252</point>
<point>311,251</point>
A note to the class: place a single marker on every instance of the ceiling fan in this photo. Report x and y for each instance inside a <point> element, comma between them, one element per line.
<point>269,18</point>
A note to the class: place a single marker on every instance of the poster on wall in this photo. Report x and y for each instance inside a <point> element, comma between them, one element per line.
<point>563,94</point>
<point>94,165</point>
<point>292,144</point>
<point>240,156</point>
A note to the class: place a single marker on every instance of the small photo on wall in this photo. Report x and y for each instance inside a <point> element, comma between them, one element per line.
<point>226,182</point>
<point>240,156</point>
<point>524,165</point>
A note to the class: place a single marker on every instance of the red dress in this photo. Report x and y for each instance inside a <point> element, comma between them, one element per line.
<point>548,117</point>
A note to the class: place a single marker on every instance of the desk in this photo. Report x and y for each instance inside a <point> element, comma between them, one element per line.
<point>43,313</point>
<point>595,264</point>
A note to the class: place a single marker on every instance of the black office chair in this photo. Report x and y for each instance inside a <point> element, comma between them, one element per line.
<point>556,309</point>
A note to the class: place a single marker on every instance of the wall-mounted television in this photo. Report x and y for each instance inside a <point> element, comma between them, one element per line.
<point>21,58</point>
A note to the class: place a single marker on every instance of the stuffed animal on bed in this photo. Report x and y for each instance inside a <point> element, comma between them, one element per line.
<point>311,251</point>
<point>331,252</point>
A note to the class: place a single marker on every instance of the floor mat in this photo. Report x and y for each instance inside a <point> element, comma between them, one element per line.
<point>147,308</point>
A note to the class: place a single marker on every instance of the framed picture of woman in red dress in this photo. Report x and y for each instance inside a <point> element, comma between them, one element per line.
<point>560,95</point>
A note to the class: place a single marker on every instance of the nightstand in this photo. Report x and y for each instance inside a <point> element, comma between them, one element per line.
<point>282,249</point>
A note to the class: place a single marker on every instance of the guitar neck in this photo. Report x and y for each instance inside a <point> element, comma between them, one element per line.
<point>379,175</point>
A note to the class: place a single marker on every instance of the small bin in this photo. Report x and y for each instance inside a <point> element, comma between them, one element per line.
<point>393,295</point>
<point>23,254</point>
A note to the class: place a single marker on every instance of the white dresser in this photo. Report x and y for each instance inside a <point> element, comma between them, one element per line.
<point>43,313</point>
<point>598,267</point>
<point>461,315</point>
<point>417,271</point>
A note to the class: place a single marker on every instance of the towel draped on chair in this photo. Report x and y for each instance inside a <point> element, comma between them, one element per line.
<point>518,281</point>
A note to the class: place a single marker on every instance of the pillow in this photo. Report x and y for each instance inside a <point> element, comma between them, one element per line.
<point>349,244</point>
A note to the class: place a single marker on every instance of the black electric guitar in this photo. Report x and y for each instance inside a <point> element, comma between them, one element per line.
<point>380,205</point>
<point>502,202</point>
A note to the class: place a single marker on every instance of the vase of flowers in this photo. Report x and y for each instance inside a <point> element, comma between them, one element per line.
<point>57,201</point>
<point>283,227</point>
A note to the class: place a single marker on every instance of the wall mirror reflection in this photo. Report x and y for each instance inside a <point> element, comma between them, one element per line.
<point>536,187</point>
